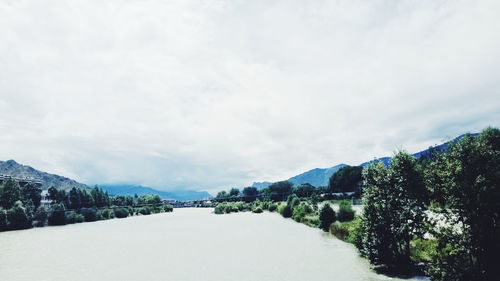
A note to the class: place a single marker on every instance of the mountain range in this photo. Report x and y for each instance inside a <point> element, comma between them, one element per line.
<point>320,176</point>
<point>12,168</point>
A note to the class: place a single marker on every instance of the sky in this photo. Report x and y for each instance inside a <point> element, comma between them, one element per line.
<point>207,95</point>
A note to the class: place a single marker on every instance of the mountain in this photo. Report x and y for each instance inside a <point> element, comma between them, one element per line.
<point>424,153</point>
<point>181,195</point>
<point>317,177</point>
<point>320,177</point>
<point>12,168</point>
<point>262,184</point>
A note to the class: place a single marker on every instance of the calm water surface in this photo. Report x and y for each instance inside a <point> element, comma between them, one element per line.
<point>188,244</point>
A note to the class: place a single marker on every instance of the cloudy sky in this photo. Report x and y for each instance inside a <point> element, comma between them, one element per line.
<point>216,93</point>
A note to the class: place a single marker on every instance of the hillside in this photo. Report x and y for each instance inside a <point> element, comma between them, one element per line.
<point>181,195</point>
<point>12,168</point>
<point>316,177</point>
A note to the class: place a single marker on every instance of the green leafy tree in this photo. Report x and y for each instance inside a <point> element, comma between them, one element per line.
<point>32,192</point>
<point>327,216</point>
<point>465,183</point>
<point>278,191</point>
<point>234,192</point>
<point>346,179</point>
<point>250,193</point>
<point>11,193</point>
<point>304,190</point>
<point>57,214</point>
<point>74,200</point>
<point>393,213</point>
<point>17,217</point>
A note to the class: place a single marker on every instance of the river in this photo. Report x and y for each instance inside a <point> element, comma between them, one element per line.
<point>186,245</point>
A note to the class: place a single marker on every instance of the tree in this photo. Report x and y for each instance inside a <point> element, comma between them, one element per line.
<point>221,195</point>
<point>57,215</point>
<point>74,200</point>
<point>11,193</point>
<point>465,184</point>
<point>278,191</point>
<point>346,179</point>
<point>393,211</point>
<point>17,217</point>
<point>346,213</point>
<point>326,217</point>
<point>250,193</point>
<point>32,192</point>
<point>3,219</point>
<point>234,192</point>
<point>304,190</point>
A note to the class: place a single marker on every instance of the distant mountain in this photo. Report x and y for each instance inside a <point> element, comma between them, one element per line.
<point>12,168</point>
<point>181,195</point>
<point>317,177</point>
<point>262,184</point>
<point>424,153</point>
<point>320,177</point>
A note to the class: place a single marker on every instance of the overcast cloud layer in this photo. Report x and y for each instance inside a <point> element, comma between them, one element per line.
<point>212,94</point>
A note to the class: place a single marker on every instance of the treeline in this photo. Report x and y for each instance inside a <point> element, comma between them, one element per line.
<point>345,183</point>
<point>20,207</point>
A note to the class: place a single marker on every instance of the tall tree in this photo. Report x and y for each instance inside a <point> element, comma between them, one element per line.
<point>346,179</point>
<point>394,211</point>
<point>31,192</point>
<point>11,193</point>
<point>465,183</point>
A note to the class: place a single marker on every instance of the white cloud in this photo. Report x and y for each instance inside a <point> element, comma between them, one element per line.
<point>210,94</point>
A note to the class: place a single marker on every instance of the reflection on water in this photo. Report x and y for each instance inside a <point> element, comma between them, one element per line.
<point>186,245</point>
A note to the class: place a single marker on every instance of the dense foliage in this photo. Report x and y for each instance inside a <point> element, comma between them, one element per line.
<point>346,179</point>
<point>20,206</point>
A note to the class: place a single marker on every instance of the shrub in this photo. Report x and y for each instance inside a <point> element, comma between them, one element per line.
<point>287,212</point>
<point>89,214</point>
<point>346,213</point>
<point>257,210</point>
<point>3,219</point>
<point>72,217</point>
<point>57,215</point>
<point>41,216</point>
<point>107,214</point>
<point>219,209</point>
<point>17,217</point>
<point>326,217</point>
<point>168,208</point>
<point>121,212</point>
<point>339,230</point>
<point>145,211</point>
<point>300,211</point>
<point>272,207</point>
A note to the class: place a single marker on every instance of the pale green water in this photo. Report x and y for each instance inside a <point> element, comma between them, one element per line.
<point>186,245</point>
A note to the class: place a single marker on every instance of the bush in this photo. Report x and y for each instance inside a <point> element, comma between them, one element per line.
<point>107,214</point>
<point>272,207</point>
<point>168,208</point>
<point>219,209</point>
<point>287,212</point>
<point>3,219</point>
<point>41,216</point>
<point>121,212</point>
<point>326,217</point>
<point>72,217</point>
<point>89,214</point>
<point>57,215</point>
<point>145,211</point>
<point>300,211</point>
<point>346,213</point>
<point>257,210</point>
<point>17,217</point>
<point>339,230</point>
